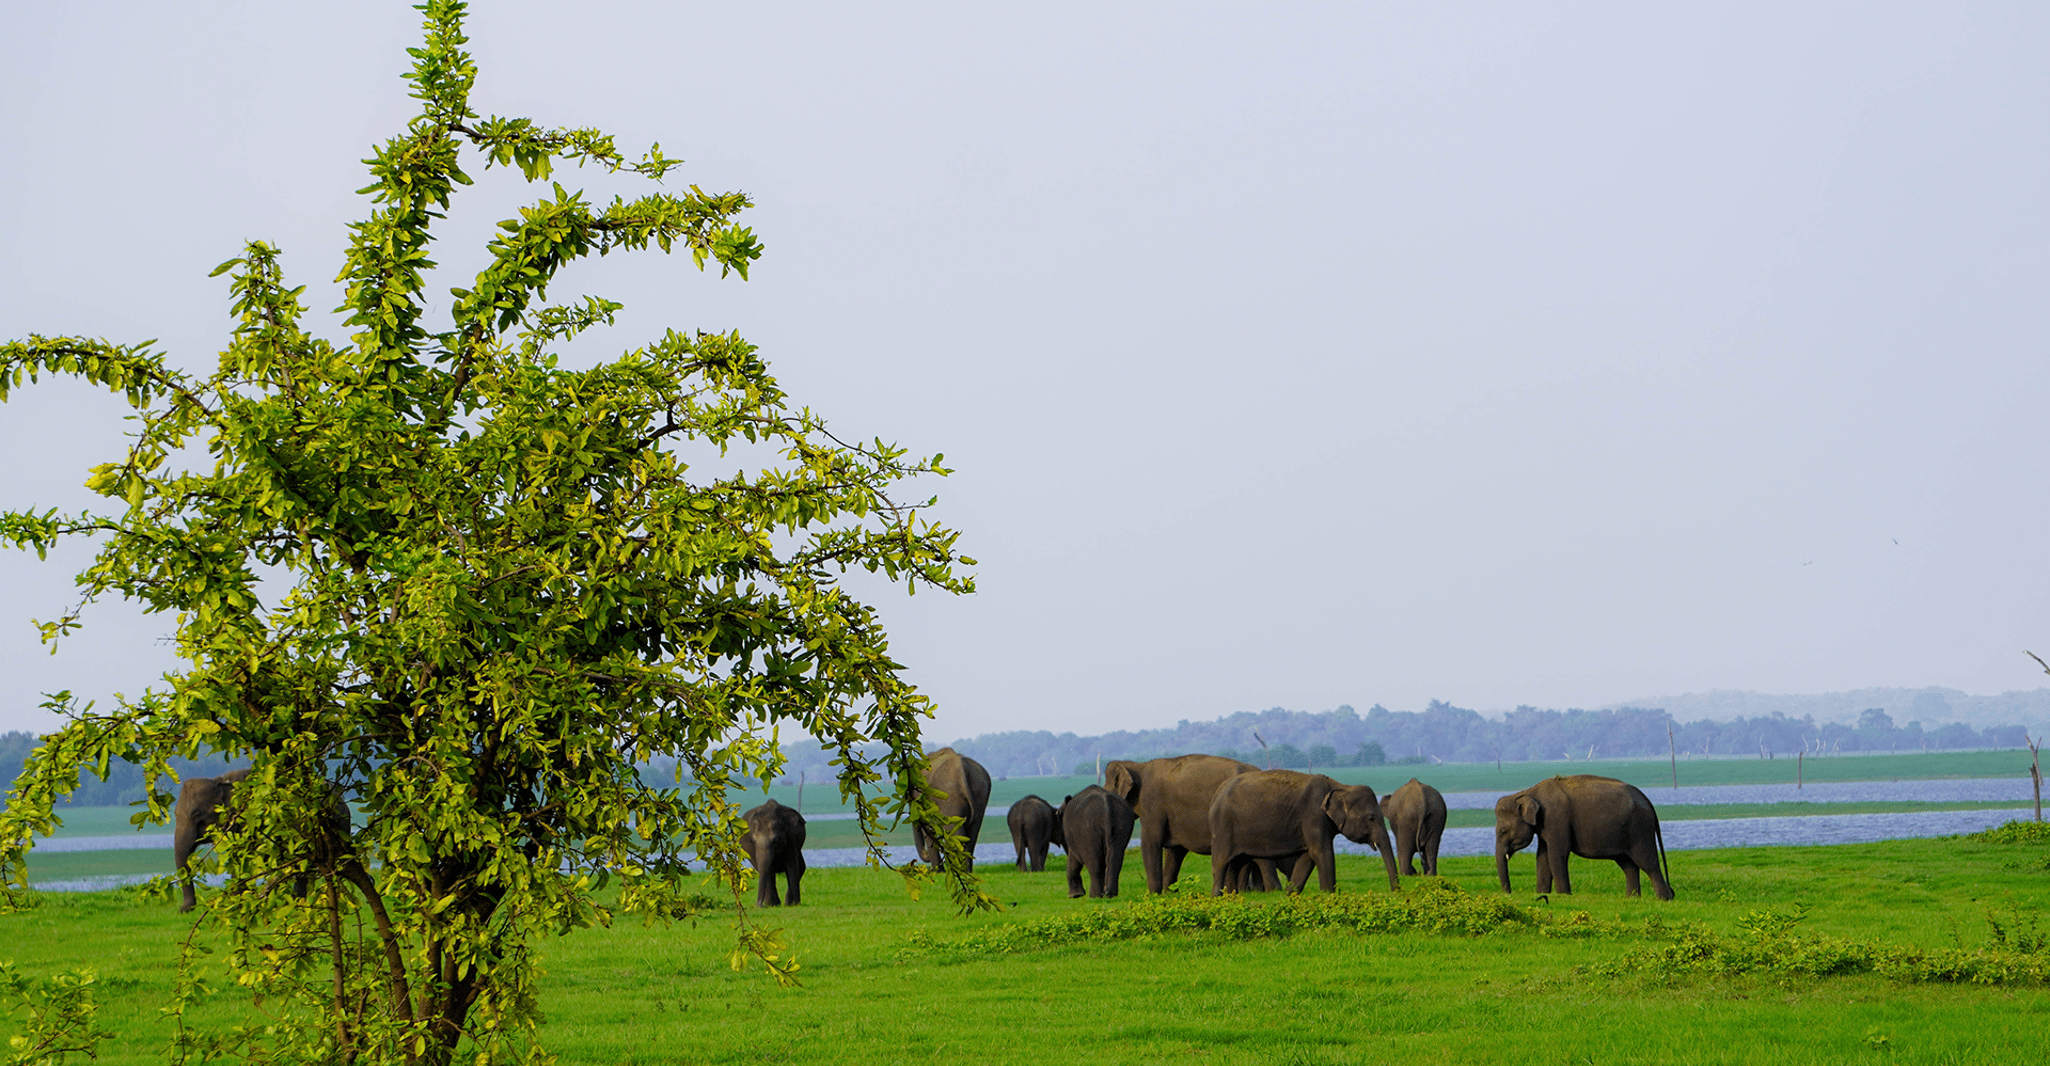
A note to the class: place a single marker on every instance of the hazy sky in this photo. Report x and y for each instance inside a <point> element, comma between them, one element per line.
<point>1288,354</point>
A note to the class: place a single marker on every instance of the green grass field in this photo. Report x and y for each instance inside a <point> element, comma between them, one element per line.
<point>1576,979</point>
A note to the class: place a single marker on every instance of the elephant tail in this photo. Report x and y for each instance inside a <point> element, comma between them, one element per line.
<point>1664,866</point>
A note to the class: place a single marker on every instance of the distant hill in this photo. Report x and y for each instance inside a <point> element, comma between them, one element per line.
<point>1927,705</point>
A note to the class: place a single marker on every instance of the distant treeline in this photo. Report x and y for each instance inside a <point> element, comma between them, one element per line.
<point>124,783</point>
<point>1344,737</point>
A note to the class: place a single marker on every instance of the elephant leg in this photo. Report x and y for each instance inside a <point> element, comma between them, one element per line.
<point>1221,872</point>
<point>1648,862</point>
<point>1405,847</point>
<point>1114,857</point>
<point>1074,871</point>
<point>1150,855</point>
<point>1039,857</point>
<point>766,868</point>
<point>1645,857</point>
<point>1019,847</point>
<point>1544,868</point>
<point>1299,875</point>
<point>1327,868</point>
<point>1431,857</point>
<point>1630,884</point>
<point>1096,873</point>
<point>793,873</point>
<point>1562,880</point>
<point>1171,864</point>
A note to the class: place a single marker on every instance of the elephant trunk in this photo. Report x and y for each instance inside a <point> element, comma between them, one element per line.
<point>1379,835</point>
<point>1502,865</point>
<point>185,840</point>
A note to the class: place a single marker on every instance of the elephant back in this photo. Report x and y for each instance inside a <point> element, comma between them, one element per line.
<point>1097,806</point>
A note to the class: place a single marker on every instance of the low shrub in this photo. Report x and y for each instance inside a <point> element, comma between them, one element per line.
<point>1432,906</point>
<point>1771,947</point>
<point>2014,832</point>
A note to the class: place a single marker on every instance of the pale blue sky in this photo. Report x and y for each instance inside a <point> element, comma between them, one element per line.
<point>1298,355</point>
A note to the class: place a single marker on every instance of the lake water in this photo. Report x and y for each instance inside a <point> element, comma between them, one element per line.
<point>1792,831</point>
<point>1978,789</point>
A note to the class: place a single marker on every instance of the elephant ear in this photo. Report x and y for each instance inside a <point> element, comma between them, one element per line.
<point>1335,805</point>
<point>1530,810</point>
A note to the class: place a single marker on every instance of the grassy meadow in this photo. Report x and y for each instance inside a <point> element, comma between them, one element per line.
<point>1724,974</point>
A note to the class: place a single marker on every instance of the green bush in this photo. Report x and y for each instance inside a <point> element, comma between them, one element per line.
<point>2014,832</point>
<point>1771,948</point>
<point>1432,906</point>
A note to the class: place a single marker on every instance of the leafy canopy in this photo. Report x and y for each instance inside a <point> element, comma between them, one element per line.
<point>477,592</point>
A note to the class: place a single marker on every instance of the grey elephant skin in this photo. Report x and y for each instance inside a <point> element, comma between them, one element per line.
<point>206,802</point>
<point>1585,815</point>
<point>1095,826</point>
<point>775,845</point>
<point>1172,798</point>
<point>1032,828</point>
<point>963,787</point>
<point>1284,815</point>
<point>1416,817</point>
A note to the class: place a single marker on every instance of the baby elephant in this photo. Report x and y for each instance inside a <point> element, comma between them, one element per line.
<point>1031,822</point>
<point>1095,826</point>
<point>1416,814</point>
<point>1585,815</point>
<point>775,844</point>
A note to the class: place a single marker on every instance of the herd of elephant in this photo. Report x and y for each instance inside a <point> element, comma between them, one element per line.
<point>1252,823</point>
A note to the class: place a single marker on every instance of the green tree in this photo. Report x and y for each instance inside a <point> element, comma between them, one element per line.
<point>476,590</point>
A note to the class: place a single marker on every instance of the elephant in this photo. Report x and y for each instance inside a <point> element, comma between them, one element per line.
<point>775,844</point>
<point>1095,826</point>
<point>206,802</point>
<point>962,788</point>
<point>1032,828</point>
<point>1172,798</point>
<point>1585,815</point>
<point>1416,814</point>
<point>1279,815</point>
